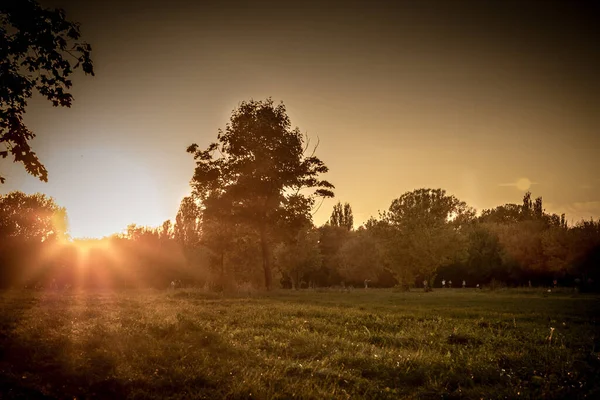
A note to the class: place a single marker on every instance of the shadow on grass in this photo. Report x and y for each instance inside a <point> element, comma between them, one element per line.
<point>37,364</point>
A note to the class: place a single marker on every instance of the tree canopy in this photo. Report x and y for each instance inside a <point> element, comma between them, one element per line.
<point>342,216</point>
<point>34,217</point>
<point>259,172</point>
<point>425,225</point>
<point>39,50</point>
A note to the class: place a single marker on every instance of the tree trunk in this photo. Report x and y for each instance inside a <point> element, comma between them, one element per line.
<point>266,257</point>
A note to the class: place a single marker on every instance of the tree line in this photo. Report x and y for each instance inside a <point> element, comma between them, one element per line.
<point>248,222</point>
<point>425,235</point>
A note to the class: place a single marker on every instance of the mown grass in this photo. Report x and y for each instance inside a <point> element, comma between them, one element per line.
<point>362,344</point>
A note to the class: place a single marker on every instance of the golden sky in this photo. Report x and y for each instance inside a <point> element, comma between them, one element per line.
<point>472,97</point>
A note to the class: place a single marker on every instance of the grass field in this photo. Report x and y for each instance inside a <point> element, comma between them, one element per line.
<point>362,344</point>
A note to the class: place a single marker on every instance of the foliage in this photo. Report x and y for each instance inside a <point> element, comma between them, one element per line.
<point>342,216</point>
<point>187,229</point>
<point>299,256</point>
<point>39,50</point>
<point>361,258</point>
<point>425,227</point>
<point>331,240</point>
<point>484,253</point>
<point>34,217</point>
<point>257,173</point>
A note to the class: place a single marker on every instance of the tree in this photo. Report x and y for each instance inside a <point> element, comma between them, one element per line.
<point>34,217</point>
<point>222,237</point>
<point>484,253</point>
<point>555,244</point>
<point>505,214</point>
<point>426,225</point>
<point>362,258</point>
<point>258,173</point>
<point>167,230</point>
<point>299,256</point>
<point>331,240</point>
<point>342,216</point>
<point>523,254</point>
<point>187,223</point>
<point>29,225</point>
<point>527,208</point>
<point>538,208</point>
<point>39,50</point>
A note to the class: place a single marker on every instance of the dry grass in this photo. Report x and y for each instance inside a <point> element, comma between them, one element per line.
<point>363,344</point>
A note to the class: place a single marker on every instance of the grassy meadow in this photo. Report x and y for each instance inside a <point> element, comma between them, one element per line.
<point>191,344</point>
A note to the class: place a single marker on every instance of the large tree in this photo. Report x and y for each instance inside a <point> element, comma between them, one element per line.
<point>427,224</point>
<point>39,50</point>
<point>258,173</point>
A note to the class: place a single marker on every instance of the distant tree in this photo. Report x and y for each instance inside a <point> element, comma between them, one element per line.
<point>257,173</point>
<point>538,208</point>
<point>298,257</point>
<point>29,225</point>
<point>142,233</point>
<point>331,241</point>
<point>362,258</point>
<point>39,49</point>
<point>585,248</point>
<point>556,242</point>
<point>187,223</point>
<point>31,217</point>
<point>522,250</point>
<point>427,224</point>
<point>484,253</point>
<point>505,214</point>
<point>527,209</point>
<point>167,230</point>
<point>342,216</point>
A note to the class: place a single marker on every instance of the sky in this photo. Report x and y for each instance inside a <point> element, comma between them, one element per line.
<point>483,99</point>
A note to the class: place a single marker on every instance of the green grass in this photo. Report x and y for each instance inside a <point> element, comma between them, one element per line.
<point>361,344</point>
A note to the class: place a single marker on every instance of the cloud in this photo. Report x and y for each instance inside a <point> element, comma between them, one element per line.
<point>521,184</point>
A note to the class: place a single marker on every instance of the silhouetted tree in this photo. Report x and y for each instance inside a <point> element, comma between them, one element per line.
<point>342,216</point>
<point>527,208</point>
<point>299,256</point>
<point>256,173</point>
<point>505,214</point>
<point>362,258</point>
<point>29,225</point>
<point>167,230</point>
<point>484,253</point>
<point>538,208</point>
<point>187,223</point>
<point>426,225</point>
<point>331,241</point>
<point>31,217</point>
<point>39,50</point>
